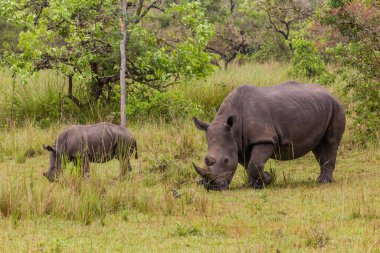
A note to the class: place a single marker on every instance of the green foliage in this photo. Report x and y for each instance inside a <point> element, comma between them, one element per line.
<point>242,33</point>
<point>357,56</point>
<point>185,57</point>
<point>272,51</point>
<point>169,106</point>
<point>8,37</point>
<point>306,60</point>
<point>366,110</point>
<point>336,3</point>
<point>81,39</point>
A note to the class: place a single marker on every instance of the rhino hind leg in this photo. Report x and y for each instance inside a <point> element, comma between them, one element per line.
<point>325,153</point>
<point>327,149</point>
<point>123,152</point>
<point>258,178</point>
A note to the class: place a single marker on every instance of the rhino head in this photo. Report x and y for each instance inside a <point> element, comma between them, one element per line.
<point>52,173</point>
<point>222,153</point>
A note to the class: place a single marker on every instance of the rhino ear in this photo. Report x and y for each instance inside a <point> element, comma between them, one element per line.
<point>200,125</point>
<point>231,121</point>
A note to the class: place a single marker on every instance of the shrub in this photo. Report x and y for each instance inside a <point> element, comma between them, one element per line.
<point>306,60</point>
<point>356,55</point>
<point>154,104</point>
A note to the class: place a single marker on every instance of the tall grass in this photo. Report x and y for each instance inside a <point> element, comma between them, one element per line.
<point>42,100</point>
<point>210,93</point>
<point>22,143</point>
<point>25,197</point>
<point>164,165</point>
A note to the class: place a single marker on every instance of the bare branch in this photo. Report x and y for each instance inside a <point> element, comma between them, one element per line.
<point>45,4</point>
<point>70,93</point>
<point>147,9</point>
<point>215,51</point>
<point>232,6</point>
<point>139,7</point>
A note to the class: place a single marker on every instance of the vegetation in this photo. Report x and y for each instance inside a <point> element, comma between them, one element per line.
<point>293,214</point>
<point>80,39</point>
<point>357,52</point>
<point>170,41</point>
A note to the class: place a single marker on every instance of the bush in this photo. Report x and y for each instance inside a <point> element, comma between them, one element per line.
<point>366,110</point>
<point>154,104</point>
<point>356,55</point>
<point>306,60</point>
<point>272,51</point>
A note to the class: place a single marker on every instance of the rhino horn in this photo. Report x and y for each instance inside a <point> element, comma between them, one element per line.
<point>199,170</point>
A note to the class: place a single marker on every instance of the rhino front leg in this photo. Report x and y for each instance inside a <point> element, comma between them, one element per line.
<point>125,166</point>
<point>85,168</point>
<point>258,178</point>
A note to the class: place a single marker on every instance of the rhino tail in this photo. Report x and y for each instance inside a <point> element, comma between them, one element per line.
<point>135,148</point>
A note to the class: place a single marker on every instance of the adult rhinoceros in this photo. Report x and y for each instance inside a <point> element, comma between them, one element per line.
<point>91,143</point>
<point>282,122</point>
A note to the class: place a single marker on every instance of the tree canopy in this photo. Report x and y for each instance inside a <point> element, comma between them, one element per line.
<point>80,38</point>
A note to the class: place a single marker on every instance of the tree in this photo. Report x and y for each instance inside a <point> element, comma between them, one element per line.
<point>261,29</point>
<point>235,31</point>
<point>81,39</point>
<point>229,41</point>
<point>123,19</point>
<point>283,14</point>
<point>355,50</point>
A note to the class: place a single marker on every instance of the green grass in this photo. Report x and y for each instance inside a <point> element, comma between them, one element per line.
<point>140,213</point>
<point>210,93</point>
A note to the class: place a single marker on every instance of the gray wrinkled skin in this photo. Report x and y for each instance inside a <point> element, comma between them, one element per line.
<point>281,122</point>
<point>91,143</point>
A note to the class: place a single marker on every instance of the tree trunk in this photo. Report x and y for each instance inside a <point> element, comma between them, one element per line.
<point>123,6</point>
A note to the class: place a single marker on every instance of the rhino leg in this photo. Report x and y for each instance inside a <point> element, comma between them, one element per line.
<point>327,149</point>
<point>325,153</point>
<point>85,168</point>
<point>125,166</point>
<point>258,178</point>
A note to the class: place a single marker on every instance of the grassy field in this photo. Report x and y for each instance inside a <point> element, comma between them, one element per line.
<point>140,213</point>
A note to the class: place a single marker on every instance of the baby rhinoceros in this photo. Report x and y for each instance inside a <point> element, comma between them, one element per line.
<point>91,143</point>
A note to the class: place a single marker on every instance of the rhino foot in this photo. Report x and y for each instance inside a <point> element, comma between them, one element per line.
<point>323,179</point>
<point>259,183</point>
<point>51,178</point>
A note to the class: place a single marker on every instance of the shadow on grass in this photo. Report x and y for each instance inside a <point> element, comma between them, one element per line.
<point>308,183</point>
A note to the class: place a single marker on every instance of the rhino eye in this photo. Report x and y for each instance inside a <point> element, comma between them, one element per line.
<point>226,161</point>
